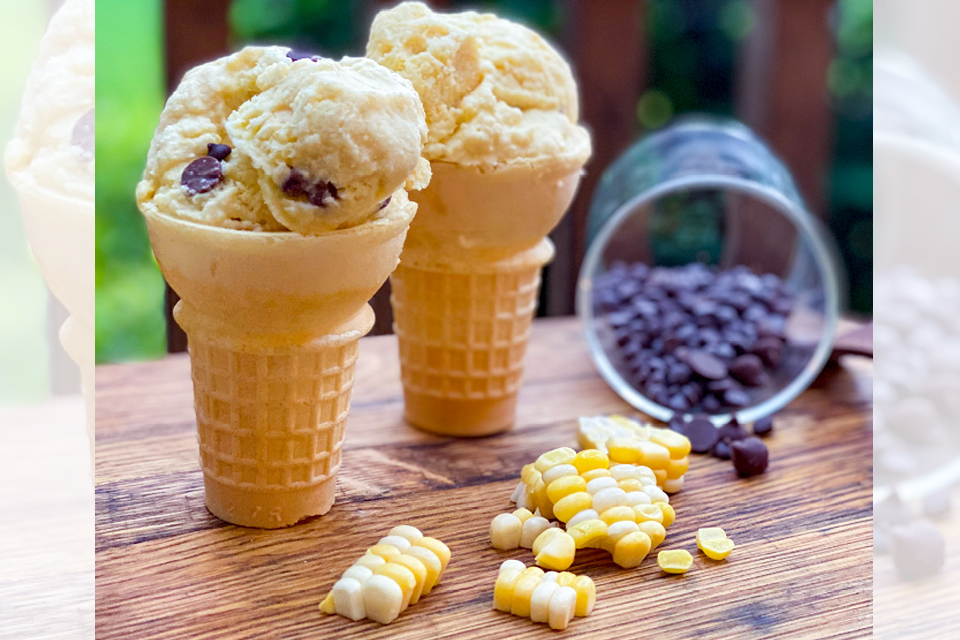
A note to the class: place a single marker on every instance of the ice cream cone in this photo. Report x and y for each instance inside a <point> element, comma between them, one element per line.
<point>466,290</point>
<point>272,321</point>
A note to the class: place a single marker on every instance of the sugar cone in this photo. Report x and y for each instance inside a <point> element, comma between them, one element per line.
<point>466,291</point>
<point>272,321</point>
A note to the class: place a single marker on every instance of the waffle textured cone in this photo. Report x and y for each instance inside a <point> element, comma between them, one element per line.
<point>466,291</point>
<point>272,321</point>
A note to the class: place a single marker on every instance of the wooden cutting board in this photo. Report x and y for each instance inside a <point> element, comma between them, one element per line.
<point>166,568</point>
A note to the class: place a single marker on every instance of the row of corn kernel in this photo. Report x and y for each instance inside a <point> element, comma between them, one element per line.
<point>551,597</point>
<point>518,529</point>
<point>626,441</point>
<point>393,574</point>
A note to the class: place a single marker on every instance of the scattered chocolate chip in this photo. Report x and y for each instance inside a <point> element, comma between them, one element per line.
<point>732,431</point>
<point>84,134</point>
<point>748,369</point>
<point>201,175</point>
<point>750,456</point>
<point>722,450</point>
<point>763,427</point>
<point>677,423</point>
<point>219,151</point>
<point>705,365</point>
<point>295,54</point>
<point>383,205</point>
<point>702,435</point>
<point>919,550</point>
<point>937,504</point>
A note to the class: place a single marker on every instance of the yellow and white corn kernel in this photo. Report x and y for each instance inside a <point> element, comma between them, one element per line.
<point>654,530</point>
<point>588,533</point>
<point>590,460</point>
<point>675,561</point>
<point>564,486</point>
<point>571,505</point>
<point>635,498</point>
<point>676,443</point>
<point>673,486</point>
<point>631,548</point>
<point>669,514</point>
<point>593,474</point>
<point>563,455</point>
<point>599,484</point>
<point>532,529</point>
<point>656,494</point>
<point>606,498</point>
<point>586,514</point>
<point>506,530</point>
<point>543,597</point>
<point>713,541</point>
<point>544,539</point>
<point>557,554</point>
<point>391,575</point>
<point>559,471</point>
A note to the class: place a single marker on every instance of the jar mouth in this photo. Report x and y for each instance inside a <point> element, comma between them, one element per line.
<point>809,236</point>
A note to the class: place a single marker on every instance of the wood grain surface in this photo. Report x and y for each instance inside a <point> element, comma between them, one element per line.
<point>166,568</point>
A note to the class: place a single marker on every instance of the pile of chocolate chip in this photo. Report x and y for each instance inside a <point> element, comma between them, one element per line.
<point>729,442</point>
<point>693,338</point>
<point>916,544</point>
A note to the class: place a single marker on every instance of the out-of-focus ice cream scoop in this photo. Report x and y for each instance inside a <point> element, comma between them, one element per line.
<point>260,141</point>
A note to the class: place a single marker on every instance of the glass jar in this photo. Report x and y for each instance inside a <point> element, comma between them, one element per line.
<point>710,191</point>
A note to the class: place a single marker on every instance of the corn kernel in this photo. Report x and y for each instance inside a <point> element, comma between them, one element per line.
<point>623,471</point>
<point>431,563</point>
<point>590,459</point>
<point>571,505</point>
<point>348,599</point>
<point>588,533</point>
<point>327,606</point>
<point>540,600</point>
<point>710,533</point>
<point>385,551</point>
<point>565,578</point>
<point>563,606</point>
<point>511,564</point>
<point>532,529</point>
<point>606,498</point>
<point>648,513</point>
<point>370,561</point>
<point>411,534</point>
<point>655,530</point>
<point>586,595</point>
<point>616,531</point>
<point>505,532</point>
<point>717,549</point>
<point>676,468</point>
<point>593,474</point>
<point>419,572</point>
<point>637,497</point>
<point>544,539</point>
<point>522,591</point>
<point>358,573</point>
<point>559,553</point>
<point>656,494</point>
<point>630,484</point>
<point>503,589</point>
<point>551,575</point>
<point>526,473</point>
<point>560,471</point>
<point>563,455</point>
<point>523,514</point>
<point>402,576</point>
<point>402,544</point>
<point>675,561</point>
<point>673,486</point>
<point>660,475</point>
<point>534,571</point>
<point>586,514</point>
<point>669,514</point>
<point>653,455</point>
<point>597,485</point>
<point>441,550</point>
<point>542,500</point>
<point>631,549</point>
<point>518,492</point>
<point>382,599</point>
<point>624,450</point>
<point>564,486</point>
<point>676,443</point>
<point>618,514</point>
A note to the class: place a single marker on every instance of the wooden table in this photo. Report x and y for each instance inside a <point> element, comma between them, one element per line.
<point>166,568</point>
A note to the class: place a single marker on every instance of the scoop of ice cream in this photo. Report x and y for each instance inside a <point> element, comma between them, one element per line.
<point>53,145</point>
<point>261,141</point>
<point>493,91</point>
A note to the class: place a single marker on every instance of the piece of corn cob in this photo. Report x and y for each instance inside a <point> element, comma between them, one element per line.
<point>393,574</point>
<point>551,597</point>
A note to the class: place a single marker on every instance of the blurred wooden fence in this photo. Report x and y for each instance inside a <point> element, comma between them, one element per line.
<point>781,93</point>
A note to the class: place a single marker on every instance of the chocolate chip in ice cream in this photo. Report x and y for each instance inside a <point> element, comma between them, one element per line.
<point>84,134</point>
<point>298,184</point>
<point>219,151</point>
<point>296,54</point>
<point>383,205</point>
<point>202,175</point>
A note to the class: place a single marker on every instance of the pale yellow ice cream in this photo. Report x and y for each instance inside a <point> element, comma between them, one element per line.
<point>494,91</point>
<point>53,146</point>
<point>315,145</point>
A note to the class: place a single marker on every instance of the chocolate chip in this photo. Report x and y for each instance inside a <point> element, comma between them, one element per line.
<point>748,369</point>
<point>296,184</point>
<point>295,54</point>
<point>84,134</point>
<point>919,549</point>
<point>712,404</point>
<point>736,398</point>
<point>201,175</point>
<point>732,431</point>
<point>383,205</point>
<point>769,349</point>
<point>702,435</point>
<point>750,456</point>
<point>722,450</point>
<point>705,365</point>
<point>677,423</point>
<point>333,191</point>
<point>219,151</point>
<point>763,427</point>
<point>318,194</point>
